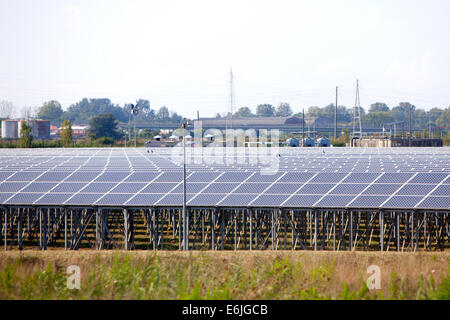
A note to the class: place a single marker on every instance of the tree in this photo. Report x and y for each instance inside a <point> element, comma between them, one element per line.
<point>145,112</point>
<point>66,134</point>
<point>50,110</point>
<point>284,110</point>
<point>444,119</point>
<point>163,114</point>
<point>244,112</point>
<point>6,109</point>
<point>379,107</point>
<point>218,116</point>
<point>83,110</point>
<point>265,110</point>
<point>103,125</point>
<point>26,138</point>
<point>401,112</point>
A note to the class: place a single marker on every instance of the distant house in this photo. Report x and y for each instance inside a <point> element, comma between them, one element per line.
<point>78,131</point>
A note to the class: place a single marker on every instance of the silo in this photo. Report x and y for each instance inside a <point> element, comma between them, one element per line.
<point>29,123</point>
<point>9,129</point>
<point>324,142</point>
<point>41,129</point>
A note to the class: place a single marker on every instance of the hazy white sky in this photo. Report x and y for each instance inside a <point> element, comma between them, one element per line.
<point>179,53</point>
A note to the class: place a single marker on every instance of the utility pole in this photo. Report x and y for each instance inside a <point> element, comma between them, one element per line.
<point>303,129</point>
<point>410,125</point>
<point>229,121</point>
<point>357,115</point>
<point>335,114</point>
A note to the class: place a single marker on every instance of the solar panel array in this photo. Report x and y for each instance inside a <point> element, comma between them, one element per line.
<point>407,178</point>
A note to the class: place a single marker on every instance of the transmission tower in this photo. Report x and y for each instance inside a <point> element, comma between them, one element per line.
<point>232,101</point>
<point>357,126</point>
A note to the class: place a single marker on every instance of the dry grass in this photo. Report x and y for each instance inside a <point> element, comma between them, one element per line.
<point>223,275</point>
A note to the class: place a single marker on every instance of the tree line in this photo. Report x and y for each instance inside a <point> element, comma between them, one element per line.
<point>377,115</point>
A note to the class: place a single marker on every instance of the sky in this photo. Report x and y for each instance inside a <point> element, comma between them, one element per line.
<point>179,54</point>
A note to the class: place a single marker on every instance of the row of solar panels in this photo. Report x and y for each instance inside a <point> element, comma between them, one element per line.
<point>230,189</point>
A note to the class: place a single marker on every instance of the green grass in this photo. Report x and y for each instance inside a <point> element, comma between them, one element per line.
<point>223,275</point>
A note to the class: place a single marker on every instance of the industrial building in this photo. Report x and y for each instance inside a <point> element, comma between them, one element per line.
<point>40,129</point>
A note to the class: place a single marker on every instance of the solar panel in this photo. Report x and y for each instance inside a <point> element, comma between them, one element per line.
<point>12,186</point>
<point>370,178</point>
<point>114,199</point>
<point>206,199</point>
<point>333,201</point>
<point>53,199</point>
<point>347,189</point>
<point>238,200</point>
<point>382,189</point>
<point>315,188</point>
<point>368,202</point>
<point>398,202</point>
<point>435,203</point>
<point>269,200</point>
<point>301,201</point>
<point>39,187</point>
<point>82,199</point>
<point>98,187</point>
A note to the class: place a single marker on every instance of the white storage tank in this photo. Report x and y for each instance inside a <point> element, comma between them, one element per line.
<point>9,129</point>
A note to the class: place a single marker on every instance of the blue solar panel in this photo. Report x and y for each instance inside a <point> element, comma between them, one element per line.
<point>70,187</point>
<point>395,177</point>
<point>316,188</point>
<point>402,202</point>
<point>220,187</point>
<point>442,190</point>
<point>24,198</point>
<point>334,201</point>
<point>159,187</point>
<point>435,203</point>
<point>114,199</point>
<point>56,176</point>
<point>193,187</point>
<point>269,200</point>
<point>301,201</point>
<point>416,190</point>
<point>84,199</point>
<point>368,202</point>
<point>12,186</point>
<point>174,199</point>
<point>328,177</point>
<point>283,188</point>
<point>361,177</point>
<point>39,187</point>
<point>429,178</point>
<point>346,188</point>
<point>382,189</point>
<point>5,174</point>
<point>176,176</point>
<point>238,200</point>
<point>258,177</point>
<point>299,177</point>
<point>202,176</point>
<point>98,187</point>
<point>233,177</point>
<point>4,196</point>
<point>206,199</point>
<point>24,176</point>
<point>112,176</point>
<point>251,188</point>
<point>145,199</point>
<point>53,199</point>
<point>83,176</point>
<point>127,187</point>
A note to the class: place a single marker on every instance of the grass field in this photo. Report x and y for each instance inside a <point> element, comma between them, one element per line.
<point>223,275</point>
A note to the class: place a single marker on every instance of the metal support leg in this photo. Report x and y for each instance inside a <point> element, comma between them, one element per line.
<point>65,229</point>
<point>6,229</point>
<point>250,212</point>
<point>397,229</point>
<point>315,230</point>
<point>19,229</point>
<point>351,231</point>
<point>381,231</point>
